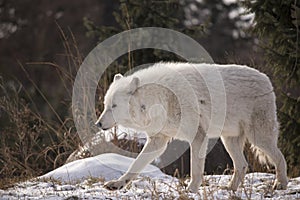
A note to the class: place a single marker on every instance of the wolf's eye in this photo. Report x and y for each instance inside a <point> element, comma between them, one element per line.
<point>114,105</point>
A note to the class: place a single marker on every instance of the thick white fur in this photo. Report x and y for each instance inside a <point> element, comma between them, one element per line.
<point>167,100</point>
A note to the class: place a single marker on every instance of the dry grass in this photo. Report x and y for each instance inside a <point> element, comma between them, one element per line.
<point>32,144</point>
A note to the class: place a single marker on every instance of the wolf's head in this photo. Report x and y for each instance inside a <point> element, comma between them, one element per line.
<point>121,103</point>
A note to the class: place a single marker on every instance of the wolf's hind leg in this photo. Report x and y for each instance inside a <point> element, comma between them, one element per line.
<point>234,147</point>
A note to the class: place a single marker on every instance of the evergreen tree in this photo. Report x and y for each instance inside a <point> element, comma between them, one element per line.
<point>277,24</point>
<point>135,14</point>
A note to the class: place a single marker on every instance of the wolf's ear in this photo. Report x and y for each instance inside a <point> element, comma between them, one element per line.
<point>117,77</point>
<point>134,84</point>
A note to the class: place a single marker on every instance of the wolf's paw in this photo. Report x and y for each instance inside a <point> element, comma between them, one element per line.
<point>279,186</point>
<point>115,184</point>
<point>232,186</point>
<point>192,188</point>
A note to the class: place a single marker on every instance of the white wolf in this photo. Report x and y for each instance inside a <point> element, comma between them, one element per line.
<point>154,99</point>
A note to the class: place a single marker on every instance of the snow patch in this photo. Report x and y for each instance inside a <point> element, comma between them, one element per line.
<point>108,166</point>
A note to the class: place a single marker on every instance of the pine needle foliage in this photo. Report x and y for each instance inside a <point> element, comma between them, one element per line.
<point>277,24</point>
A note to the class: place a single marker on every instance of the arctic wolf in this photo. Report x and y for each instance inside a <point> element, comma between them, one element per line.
<point>178,100</point>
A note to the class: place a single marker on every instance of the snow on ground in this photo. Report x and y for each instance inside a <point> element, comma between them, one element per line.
<point>84,179</point>
<point>106,166</point>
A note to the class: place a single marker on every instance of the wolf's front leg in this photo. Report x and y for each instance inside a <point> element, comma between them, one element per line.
<point>154,147</point>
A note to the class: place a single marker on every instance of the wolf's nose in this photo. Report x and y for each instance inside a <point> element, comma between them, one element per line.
<point>99,124</point>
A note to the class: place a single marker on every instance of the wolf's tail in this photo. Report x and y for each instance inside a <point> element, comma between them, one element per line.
<point>261,156</point>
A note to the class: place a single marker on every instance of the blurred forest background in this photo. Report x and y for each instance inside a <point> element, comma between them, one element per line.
<point>42,44</point>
